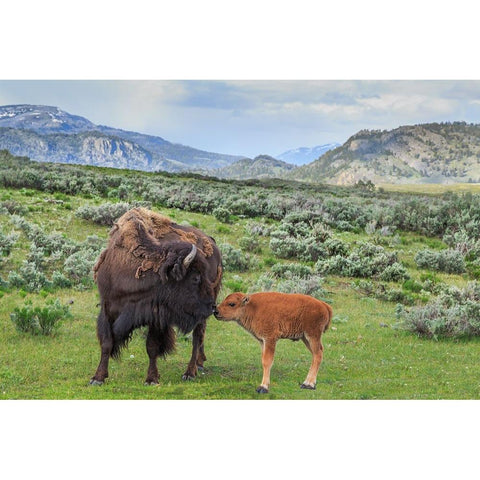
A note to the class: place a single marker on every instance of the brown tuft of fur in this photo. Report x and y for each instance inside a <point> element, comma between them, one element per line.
<point>140,232</point>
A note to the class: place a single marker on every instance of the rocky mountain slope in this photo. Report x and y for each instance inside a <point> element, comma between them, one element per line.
<point>45,133</point>
<point>428,153</point>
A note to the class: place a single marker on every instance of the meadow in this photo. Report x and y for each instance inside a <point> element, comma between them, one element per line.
<point>360,249</point>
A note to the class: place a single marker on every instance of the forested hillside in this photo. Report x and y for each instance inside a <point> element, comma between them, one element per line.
<point>427,153</point>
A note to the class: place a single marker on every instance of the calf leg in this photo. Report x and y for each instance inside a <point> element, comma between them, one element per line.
<point>105,337</point>
<point>316,348</point>
<point>268,352</point>
<point>198,355</point>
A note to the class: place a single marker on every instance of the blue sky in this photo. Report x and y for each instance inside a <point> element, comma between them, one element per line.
<point>252,117</point>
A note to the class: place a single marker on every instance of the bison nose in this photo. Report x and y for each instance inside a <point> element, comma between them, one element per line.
<point>215,311</point>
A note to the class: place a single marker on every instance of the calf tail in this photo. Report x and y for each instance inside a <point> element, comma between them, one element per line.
<point>330,315</point>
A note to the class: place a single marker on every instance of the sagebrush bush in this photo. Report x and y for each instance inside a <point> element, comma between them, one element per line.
<point>454,313</point>
<point>250,243</point>
<point>365,261</point>
<point>78,266</point>
<point>40,320</point>
<point>233,259</point>
<point>299,237</point>
<point>108,213</point>
<point>448,261</point>
<point>282,270</point>
<point>310,285</point>
<point>222,214</point>
<point>29,277</point>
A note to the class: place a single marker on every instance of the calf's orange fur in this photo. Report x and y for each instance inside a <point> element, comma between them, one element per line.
<point>270,316</point>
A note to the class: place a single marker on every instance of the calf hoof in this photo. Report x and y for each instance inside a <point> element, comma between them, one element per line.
<point>262,390</point>
<point>307,386</point>
<point>95,382</point>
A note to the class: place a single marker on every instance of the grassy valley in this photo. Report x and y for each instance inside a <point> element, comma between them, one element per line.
<point>385,260</point>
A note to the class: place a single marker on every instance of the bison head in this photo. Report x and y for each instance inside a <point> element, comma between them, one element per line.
<point>188,281</point>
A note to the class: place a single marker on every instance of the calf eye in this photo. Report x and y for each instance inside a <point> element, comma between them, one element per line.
<point>231,304</point>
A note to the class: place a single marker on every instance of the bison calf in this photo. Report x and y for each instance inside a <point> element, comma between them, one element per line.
<point>269,316</point>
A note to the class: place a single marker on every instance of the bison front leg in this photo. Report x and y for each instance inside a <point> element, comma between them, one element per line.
<point>198,354</point>
<point>105,337</point>
<point>159,342</point>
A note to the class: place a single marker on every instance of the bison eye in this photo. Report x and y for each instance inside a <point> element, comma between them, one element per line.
<point>196,279</point>
<point>231,304</point>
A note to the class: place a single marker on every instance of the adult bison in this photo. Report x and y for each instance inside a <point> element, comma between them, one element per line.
<point>160,275</point>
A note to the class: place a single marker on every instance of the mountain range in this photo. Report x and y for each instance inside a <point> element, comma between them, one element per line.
<point>46,133</point>
<point>427,153</point>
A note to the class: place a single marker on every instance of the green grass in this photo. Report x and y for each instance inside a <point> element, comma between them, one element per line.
<point>366,356</point>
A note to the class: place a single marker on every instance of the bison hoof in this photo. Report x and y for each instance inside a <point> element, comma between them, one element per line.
<point>150,383</point>
<point>200,368</point>
<point>307,386</point>
<point>262,390</point>
<point>94,381</point>
<point>188,377</point>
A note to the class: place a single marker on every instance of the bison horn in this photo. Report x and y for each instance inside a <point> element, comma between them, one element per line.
<point>189,258</point>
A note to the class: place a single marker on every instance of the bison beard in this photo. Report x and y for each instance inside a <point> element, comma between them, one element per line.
<point>159,275</point>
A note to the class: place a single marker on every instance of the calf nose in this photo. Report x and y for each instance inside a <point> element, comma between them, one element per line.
<point>214,310</point>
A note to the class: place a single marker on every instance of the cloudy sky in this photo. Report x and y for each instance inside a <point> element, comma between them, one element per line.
<point>253,117</point>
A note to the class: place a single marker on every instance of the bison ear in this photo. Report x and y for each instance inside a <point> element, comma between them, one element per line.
<point>245,300</point>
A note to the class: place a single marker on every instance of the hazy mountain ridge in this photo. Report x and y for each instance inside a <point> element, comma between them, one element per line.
<point>426,153</point>
<point>304,155</point>
<point>262,166</point>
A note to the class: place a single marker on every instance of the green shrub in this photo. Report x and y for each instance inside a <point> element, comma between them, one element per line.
<point>7,242</point>
<point>383,292</point>
<point>222,214</point>
<point>40,320</point>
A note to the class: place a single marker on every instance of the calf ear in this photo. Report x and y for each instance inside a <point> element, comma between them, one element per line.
<point>245,300</point>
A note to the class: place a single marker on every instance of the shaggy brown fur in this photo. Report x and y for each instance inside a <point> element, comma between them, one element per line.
<point>158,274</point>
<point>269,316</point>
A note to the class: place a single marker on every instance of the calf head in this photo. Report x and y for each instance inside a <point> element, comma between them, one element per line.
<point>232,307</point>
